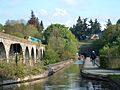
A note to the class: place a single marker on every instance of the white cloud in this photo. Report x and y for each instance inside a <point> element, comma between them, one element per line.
<point>43,12</point>
<point>60,12</point>
<point>69,23</point>
<point>15,2</point>
<point>71,1</point>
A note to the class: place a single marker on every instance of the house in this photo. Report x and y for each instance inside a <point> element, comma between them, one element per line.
<point>94,37</point>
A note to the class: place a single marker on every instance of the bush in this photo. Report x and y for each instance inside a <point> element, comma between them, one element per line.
<point>110,57</point>
<point>20,71</point>
<point>11,71</point>
<point>114,62</point>
<point>50,57</point>
<point>37,69</point>
<point>61,44</point>
<point>105,50</point>
<point>115,78</point>
<point>98,44</point>
<point>104,61</point>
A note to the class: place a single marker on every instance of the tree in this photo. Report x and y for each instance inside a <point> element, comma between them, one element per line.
<point>111,33</point>
<point>85,27</point>
<point>33,20</point>
<point>79,29</point>
<point>40,27</point>
<point>30,30</point>
<point>96,27</point>
<point>118,22</point>
<point>15,28</point>
<point>1,28</point>
<point>82,29</point>
<point>60,40</point>
<point>110,37</point>
<point>91,27</point>
<point>50,56</point>
<point>108,23</point>
<point>21,30</point>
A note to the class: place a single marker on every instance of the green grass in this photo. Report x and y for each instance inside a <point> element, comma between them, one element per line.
<point>115,63</point>
<point>11,71</point>
<point>115,78</point>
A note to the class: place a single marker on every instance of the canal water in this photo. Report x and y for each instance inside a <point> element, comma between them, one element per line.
<point>66,79</point>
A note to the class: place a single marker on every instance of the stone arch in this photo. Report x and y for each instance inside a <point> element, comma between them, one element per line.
<point>43,53</point>
<point>15,52</point>
<point>40,54</point>
<point>32,53</point>
<point>37,55</point>
<point>27,54</point>
<point>2,51</point>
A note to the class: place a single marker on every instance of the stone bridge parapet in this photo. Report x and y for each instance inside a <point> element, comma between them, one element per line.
<point>12,48</point>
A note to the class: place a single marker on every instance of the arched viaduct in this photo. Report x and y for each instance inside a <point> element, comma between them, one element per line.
<point>12,47</point>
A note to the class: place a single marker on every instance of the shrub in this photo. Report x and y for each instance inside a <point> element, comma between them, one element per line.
<point>104,61</point>
<point>115,78</point>
<point>20,71</point>
<point>7,70</point>
<point>50,57</point>
<point>35,71</point>
<point>114,62</point>
<point>11,71</point>
<point>61,44</point>
<point>105,50</point>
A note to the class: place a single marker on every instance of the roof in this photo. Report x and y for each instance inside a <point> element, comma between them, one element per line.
<point>33,39</point>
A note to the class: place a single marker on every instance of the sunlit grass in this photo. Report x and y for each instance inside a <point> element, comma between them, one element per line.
<point>13,71</point>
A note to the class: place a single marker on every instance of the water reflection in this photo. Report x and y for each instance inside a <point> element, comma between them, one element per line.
<point>66,79</point>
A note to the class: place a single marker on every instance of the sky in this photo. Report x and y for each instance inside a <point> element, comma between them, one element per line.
<point>60,11</point>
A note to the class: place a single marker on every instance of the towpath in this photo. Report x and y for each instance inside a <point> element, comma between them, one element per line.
<point>89,68</point>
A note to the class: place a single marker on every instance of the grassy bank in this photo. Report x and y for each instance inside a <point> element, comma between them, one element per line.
<point>115,78</point>
<point>11,71</point>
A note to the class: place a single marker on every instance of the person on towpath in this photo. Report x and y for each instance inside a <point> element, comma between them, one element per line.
<point>93,57</point>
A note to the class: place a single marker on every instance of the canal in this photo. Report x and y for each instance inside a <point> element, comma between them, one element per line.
<point>66,79</point>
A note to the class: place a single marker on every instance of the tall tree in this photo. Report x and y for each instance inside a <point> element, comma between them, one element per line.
<point>41,27</point>
<point>96,27</point>
<point>109,22</point>
<point>90,26</point>
<point>79,29</point>
<point>82,29</point>
<point>35,22</point>
<point>118,22</point>
<point>33,19</point>
<point>85,27</point>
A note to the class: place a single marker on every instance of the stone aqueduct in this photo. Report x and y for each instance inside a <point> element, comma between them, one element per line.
<point>12,47</point>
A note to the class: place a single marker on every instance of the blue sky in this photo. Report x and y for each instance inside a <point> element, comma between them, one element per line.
<point>60,11</point>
